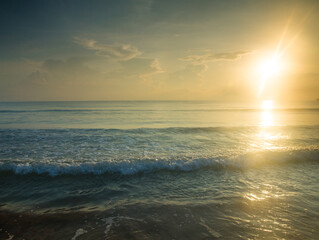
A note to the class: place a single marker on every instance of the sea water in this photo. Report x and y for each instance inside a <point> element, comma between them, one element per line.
<point>163,170</point>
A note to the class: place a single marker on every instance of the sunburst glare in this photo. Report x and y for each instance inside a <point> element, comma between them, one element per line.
<point>270,67</point>
<point>267,105</point>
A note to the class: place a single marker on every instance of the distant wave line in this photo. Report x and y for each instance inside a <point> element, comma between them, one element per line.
<point>157,110</point>
<point>143,130</point>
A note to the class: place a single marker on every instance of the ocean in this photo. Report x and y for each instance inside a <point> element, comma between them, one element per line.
<point>157,170</point>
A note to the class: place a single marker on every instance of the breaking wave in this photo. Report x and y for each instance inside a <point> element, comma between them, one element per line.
<point>135,166</point>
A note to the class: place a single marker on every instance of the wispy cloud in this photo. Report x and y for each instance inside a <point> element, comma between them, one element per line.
<point>155,68</point>
<point>118,51</point>
<point>155,65</point>
<point>212,57</point>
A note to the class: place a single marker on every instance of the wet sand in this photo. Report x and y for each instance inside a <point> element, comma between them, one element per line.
<point>104,225</point>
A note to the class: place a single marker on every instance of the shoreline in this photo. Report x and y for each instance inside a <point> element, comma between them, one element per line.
<point>112,224</point>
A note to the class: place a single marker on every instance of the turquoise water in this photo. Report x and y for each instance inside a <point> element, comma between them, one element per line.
<point>164,170</point>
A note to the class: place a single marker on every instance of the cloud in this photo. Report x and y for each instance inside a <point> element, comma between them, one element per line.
<point>154,69</point>
<point>189,74</point>
<point>37,77</point>
<point>117,51</point>
<point>212,57</point>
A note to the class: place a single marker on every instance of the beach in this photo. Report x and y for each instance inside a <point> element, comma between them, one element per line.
<point>157,170</point>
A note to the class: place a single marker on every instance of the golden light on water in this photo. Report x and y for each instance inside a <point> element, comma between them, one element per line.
<point>269,138</point>
<point>254,197</point>
<point>266,114</point>
<point>265,191</point>
<point>266,119</point>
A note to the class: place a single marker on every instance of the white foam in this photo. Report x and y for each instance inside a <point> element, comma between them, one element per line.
<point>78,233</point>
<point>129,167</point>
<point>209,229</point>
<point>108,222</point>
<point>10,237</point>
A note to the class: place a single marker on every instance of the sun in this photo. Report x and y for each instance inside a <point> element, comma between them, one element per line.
<point>270,67</point>
<point>269,70</point>
<point>267,105</point>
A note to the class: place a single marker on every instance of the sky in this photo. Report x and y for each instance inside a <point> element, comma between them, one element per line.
<point>159,50</point>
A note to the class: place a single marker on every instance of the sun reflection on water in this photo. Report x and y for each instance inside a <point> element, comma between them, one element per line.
<point>269,136</point>
<point>265,137</point>
<point>264,191</point>
<point>267,119</point>
<point>254,197</point>
<point>267,115</point>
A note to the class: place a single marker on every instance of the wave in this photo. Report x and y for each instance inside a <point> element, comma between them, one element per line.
<point>138,130</point>
<point>135,166</point>
<point>50,110</point>
<point>156,110</point>
<point>143,130</point>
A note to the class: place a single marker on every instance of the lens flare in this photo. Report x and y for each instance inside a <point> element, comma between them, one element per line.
<point>270,67</point>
